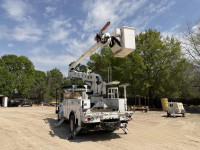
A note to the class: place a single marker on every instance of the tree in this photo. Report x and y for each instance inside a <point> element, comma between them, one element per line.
<point>191,88</point>
<point>54,81</point>
<point>39,88</point>
<point>99,63</point>
<point>191,42</point>
<point>79,67</point>
<point>22,70</point>
<point>163,65</point>
<point>6,82</point>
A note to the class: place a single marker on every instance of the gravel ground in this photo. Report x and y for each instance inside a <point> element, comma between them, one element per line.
<point>23,128</point>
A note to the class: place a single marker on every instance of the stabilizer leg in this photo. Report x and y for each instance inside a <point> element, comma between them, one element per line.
<point>73,135</point>
<point>124,128</point>
<point>60,122</point>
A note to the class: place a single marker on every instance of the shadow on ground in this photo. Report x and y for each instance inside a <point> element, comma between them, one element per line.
<point>63,132</point>
<point>176,116</point>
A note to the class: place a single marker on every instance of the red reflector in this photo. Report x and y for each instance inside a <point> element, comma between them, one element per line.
<point>88,119</point>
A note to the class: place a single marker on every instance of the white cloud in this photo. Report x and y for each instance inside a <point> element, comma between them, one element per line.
<point>25,32</point>
<point>53,61</point>
<point>49,11</point>
<point>59,29</point>
<point>17,10</point>
<point>196,28</point>
<point>10,45</point>
<point>48,62</point>
<point>150,12</point>
<point>174,31</point>
<point>98,13</point>
<point>119,12</point>
<point>42,49</point>
<point>76,47</point>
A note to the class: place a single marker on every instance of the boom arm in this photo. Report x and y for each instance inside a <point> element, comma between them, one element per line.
<point>86,54</point>
<point>99,38</point>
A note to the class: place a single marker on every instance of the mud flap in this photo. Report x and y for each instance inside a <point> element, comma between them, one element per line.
<point>73,135</point>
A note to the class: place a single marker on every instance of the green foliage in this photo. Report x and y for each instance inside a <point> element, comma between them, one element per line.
<point>22,70</point>
<point>191,82</point>
<point>18,76</point>
<point>39,88</point>
<point>163,64</point>
<point>6,82</point>
<point>79,67</point>
<point>54,81</point>
<point>99,63</point>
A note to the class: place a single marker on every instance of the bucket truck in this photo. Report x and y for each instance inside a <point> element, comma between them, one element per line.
<point>85,106</point>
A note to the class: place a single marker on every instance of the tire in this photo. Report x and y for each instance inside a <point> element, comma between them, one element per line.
<point>183,114</point>
<point>72,123</point>
<point>168,114</point>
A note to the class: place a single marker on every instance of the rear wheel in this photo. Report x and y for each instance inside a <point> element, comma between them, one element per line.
<point>183,114</point>
<point>168,114</point>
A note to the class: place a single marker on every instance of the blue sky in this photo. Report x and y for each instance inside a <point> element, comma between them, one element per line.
<point>53,33</point>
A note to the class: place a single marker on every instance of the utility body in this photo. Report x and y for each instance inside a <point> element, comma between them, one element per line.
<point>96,105</point>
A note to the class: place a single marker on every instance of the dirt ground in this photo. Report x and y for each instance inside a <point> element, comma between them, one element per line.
<point>23,128</point>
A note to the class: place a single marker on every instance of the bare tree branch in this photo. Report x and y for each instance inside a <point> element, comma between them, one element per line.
<point>191,43</point>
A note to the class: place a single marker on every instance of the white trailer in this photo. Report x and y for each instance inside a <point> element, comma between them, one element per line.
<point>86,106</point>
<point>175,108</point>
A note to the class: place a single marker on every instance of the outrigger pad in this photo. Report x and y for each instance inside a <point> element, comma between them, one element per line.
<point>124,128</point>
<point>60,122</point>
<point>73,135</point>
